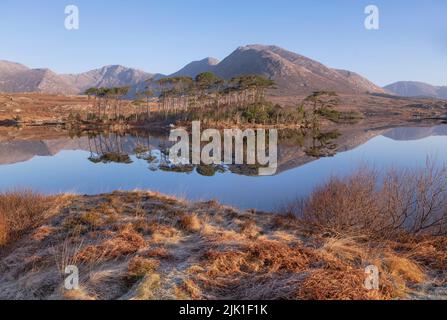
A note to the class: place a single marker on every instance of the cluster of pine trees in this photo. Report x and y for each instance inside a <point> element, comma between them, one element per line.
<point>108,102</point>
<point>208,90</point>
<point>214,100</point>
<point>175,95</point>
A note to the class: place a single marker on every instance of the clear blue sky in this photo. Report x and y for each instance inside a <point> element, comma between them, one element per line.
<point>164,35</point>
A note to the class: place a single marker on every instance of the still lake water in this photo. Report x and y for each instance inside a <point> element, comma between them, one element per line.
<point>63,165</point>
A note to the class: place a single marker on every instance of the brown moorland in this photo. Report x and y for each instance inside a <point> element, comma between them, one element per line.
<point>144,245</point>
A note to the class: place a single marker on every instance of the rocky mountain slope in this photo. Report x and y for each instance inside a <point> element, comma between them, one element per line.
<point>293,73</point>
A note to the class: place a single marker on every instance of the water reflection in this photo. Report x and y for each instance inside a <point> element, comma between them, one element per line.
<point>416,133</point>
<point>97,162</point>
<point>115,147</point>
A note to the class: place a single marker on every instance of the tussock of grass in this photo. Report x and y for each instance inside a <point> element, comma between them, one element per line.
<point>93,219</point>
<point>160,253</point>
<point>147,288</point>
<point>403,270</point>
<point>429,252</point>
<point>190,222</point>
<point>324,284</point>
<point>346,249</point>
<point>126,242</point>
<point>140,267</point>
<point>189,290</point>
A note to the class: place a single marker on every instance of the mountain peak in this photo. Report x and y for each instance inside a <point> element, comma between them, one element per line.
<point>210,61</point>
<point>259,47</point>
<point>196,67</point>
<point>114,67</point>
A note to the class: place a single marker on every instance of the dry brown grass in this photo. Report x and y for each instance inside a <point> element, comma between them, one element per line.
<point>250,271</point>
<point>4,230</point>
<point>20,211</point>
<point>324,284</point>
<point>402,269</point>
<point>262,256</point>
<point>182,250</point>
<point>396,268</point>
<point>429,253</point>
<point>126,242</point>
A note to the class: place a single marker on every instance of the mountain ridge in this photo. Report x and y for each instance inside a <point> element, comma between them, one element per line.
<point>293,73</point>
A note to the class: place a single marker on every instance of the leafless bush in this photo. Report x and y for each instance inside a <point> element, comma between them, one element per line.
<point>412,201</point>
<point>19,211</point>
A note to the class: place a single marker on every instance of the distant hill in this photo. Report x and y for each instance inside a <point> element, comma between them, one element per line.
<point>360,83</point>
<point>15,77</point>
<point>108,76</point>
<point>417,89</point>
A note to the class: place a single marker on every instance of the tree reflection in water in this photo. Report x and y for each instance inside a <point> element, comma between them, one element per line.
<point>125,148</point>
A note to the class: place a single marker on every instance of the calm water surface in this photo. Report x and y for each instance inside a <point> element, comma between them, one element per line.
<point>68,165</point>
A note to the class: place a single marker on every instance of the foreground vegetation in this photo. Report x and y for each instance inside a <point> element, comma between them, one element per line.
<point>143,245</point>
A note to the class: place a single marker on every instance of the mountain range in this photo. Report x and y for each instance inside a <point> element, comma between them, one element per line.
<point>417,89</point>
<point>293,73</point>
<point>15,77</point>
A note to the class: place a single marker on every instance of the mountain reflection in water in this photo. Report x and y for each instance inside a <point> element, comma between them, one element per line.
<point>96,163</point>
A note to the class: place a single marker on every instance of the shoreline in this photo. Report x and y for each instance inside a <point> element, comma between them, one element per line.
<point>32,109</point>
<point>157,125</point>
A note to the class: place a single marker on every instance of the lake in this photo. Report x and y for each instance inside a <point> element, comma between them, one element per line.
<point>97,163</point>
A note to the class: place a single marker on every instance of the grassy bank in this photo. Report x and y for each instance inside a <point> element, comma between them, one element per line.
<point>143,245</point>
